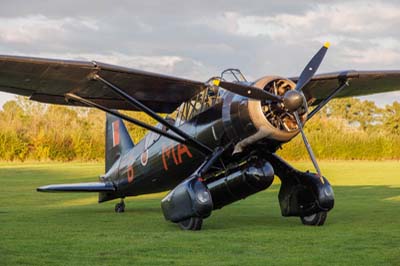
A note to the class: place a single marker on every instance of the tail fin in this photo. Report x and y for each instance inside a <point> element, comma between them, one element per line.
<point>118,141</point>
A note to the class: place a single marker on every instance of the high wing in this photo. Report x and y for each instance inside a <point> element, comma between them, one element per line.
<point>360,83</point>
<point>48,80</point>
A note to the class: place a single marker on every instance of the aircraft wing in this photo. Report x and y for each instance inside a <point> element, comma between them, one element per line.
<point>78,187</point>
<point>48,80</point>
<point>360,83</point>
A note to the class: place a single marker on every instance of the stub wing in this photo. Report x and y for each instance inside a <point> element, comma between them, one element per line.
<point>360,83</point>
<point>78,187</point>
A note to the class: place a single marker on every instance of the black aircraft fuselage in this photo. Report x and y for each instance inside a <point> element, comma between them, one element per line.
<point>158,163</point>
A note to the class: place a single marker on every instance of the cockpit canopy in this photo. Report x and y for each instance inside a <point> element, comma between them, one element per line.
<point>207,98</point>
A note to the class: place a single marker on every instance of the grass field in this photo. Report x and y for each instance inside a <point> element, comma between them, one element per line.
<point>72,229</point>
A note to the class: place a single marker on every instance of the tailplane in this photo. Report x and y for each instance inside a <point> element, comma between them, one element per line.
<point>79,187</point>
<point>118,141</point>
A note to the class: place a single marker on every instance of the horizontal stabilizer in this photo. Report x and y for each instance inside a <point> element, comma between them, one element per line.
<point>78,187</point>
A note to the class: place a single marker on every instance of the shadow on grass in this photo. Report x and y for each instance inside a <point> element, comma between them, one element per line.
<point>353,204</point>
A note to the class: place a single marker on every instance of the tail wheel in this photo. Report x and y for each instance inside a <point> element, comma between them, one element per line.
<point>192,223</point>
<point>314,219</point>
<point>120,207</point>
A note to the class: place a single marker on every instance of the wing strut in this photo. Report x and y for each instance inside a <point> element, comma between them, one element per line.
<point>125,117</point>
<point>344,83</point>
<point>189,139</point>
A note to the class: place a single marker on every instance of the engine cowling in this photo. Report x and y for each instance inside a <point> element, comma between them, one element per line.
<point>253,120</point>
<point>278,122</point>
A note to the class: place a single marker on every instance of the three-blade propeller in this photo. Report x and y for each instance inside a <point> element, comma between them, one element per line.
<point>292,99</point>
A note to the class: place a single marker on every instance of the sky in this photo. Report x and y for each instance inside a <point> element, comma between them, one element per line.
<point>199,39</point>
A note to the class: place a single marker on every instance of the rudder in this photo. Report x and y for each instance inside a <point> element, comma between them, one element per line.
<point>118,141</point>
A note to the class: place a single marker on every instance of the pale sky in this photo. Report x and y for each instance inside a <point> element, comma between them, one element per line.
<point>199,39</point>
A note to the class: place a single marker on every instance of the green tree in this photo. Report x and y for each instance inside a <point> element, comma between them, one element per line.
<point>392,118</point>
<point>356,112</point>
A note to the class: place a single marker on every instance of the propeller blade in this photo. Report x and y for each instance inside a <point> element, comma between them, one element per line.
<point>248,91</point>
<point>308,146</point>
<point>311,67</point>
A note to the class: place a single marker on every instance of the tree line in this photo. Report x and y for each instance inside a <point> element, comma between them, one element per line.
<point>345,129</point>
<point>350,129</point>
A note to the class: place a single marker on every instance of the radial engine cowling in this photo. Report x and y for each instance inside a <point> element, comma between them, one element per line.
<point>282,122</point>
<point>253,120</point>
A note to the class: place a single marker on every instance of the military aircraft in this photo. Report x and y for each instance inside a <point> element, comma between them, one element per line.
<point>216,145</point>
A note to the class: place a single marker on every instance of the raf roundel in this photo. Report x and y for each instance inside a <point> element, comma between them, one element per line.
<point>144,158</point>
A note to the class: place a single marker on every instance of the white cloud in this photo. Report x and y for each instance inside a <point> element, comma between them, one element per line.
<point>340,19</point>
<point>363,33</point>
<point>226,22</point>
<point>25,30</point>
<point>372,56</point>
<point>163,64</point>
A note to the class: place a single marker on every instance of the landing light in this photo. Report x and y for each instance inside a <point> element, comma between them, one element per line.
<point>203,196</point>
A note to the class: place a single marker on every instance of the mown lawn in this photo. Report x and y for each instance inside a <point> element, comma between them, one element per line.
<point>72,229</point>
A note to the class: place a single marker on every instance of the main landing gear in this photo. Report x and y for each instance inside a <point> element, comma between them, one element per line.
<point>192,223</point>
<point>302,194</point>
<point>120,207</point>
<point>317,219</point>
